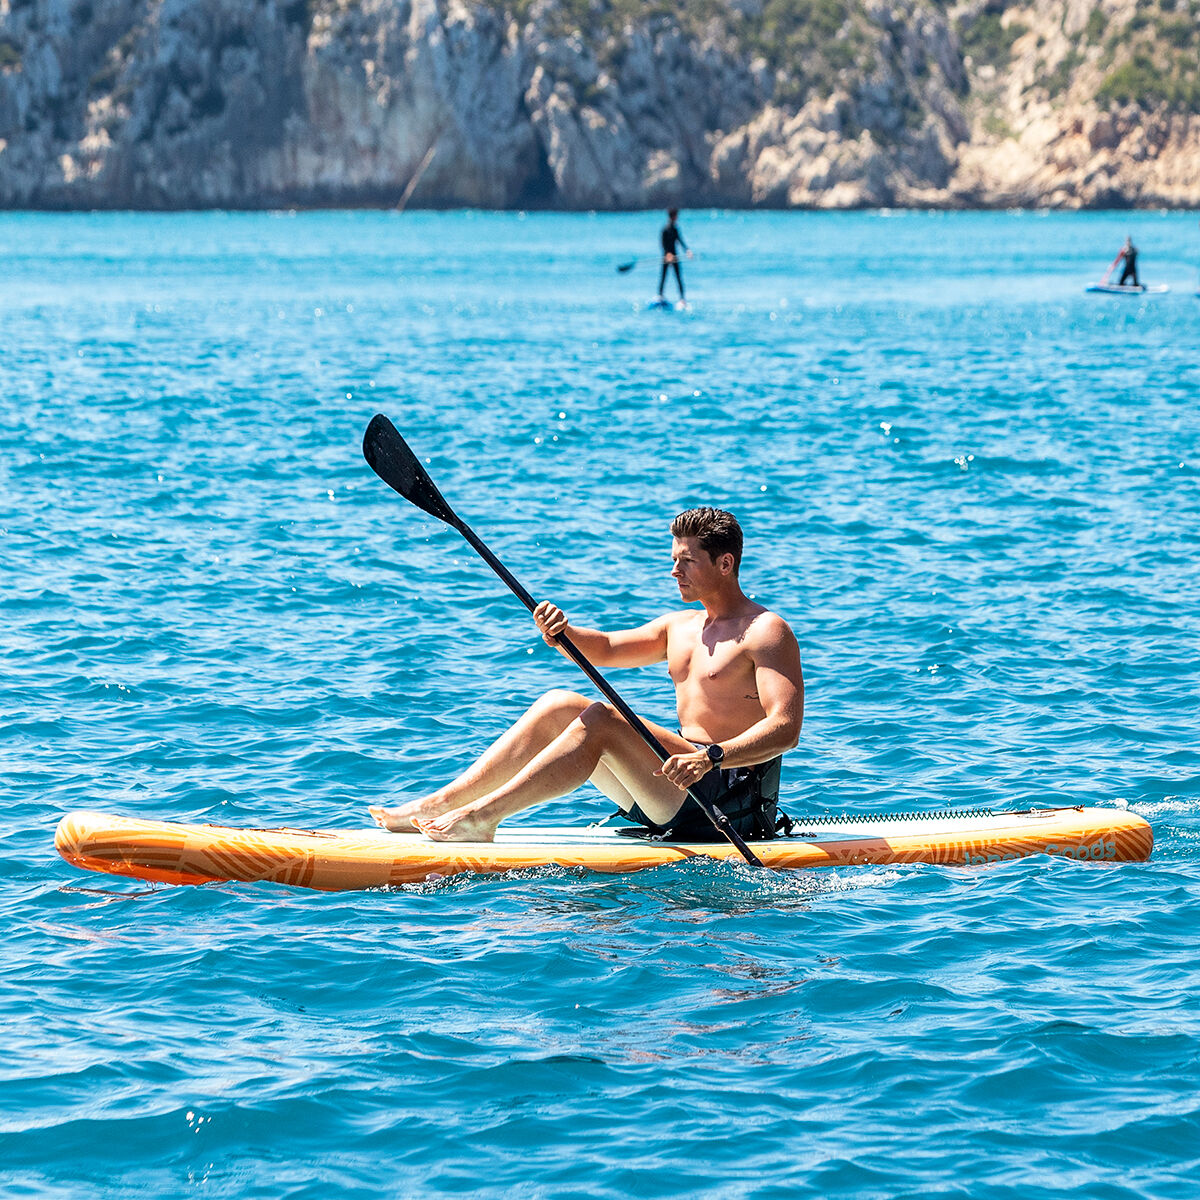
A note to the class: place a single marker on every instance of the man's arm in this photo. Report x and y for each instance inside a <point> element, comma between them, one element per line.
<point>780,683</point>
<point>625,648</point>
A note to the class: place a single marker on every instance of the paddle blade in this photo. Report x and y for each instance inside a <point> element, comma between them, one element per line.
<point>623,267</point>
<point>394,463</point>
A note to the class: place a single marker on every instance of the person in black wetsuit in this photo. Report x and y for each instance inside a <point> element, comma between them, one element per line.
<point>1129,254</point>
<point>672,239</point>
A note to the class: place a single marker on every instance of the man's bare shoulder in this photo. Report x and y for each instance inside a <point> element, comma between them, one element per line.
<point>682,618</point>
<point>768,629</point>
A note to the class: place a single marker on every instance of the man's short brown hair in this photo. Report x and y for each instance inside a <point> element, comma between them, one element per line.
<point>716,530</point>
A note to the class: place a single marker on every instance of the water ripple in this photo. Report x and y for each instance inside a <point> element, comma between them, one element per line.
<point>977,503</point>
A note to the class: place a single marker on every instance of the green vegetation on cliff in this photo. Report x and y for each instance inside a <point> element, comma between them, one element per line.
<point>1149,56</point>
<point>988,40</point>
<point>1154,57</point>
<point>807,45</point>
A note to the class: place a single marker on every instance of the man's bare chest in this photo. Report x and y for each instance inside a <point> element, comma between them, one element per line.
<point>719,663</point>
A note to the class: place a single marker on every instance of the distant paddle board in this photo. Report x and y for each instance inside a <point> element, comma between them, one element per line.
<point>1127,289</point>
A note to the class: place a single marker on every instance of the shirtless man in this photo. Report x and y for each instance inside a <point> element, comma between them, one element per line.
<point>739,694</point>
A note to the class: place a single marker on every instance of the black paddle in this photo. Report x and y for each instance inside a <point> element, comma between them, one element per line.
<point>628,266</point>
<point>397,466</point>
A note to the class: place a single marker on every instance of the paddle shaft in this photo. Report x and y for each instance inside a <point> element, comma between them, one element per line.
<point>393,461</point>
<point>714,814</point>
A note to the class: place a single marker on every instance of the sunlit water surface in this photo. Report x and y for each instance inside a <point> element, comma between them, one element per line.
<point>973,490</point>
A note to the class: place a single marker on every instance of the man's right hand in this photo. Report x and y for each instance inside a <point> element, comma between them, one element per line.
<point>550,620</point>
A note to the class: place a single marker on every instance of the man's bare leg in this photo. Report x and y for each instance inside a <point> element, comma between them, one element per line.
<point>537,727</point>
<point>598,745</point>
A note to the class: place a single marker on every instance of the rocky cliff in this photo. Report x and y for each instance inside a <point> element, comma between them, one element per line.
<point>598,103</point>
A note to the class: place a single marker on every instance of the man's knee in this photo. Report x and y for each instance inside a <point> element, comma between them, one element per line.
<point>561,702</point>
<point>598,718</point>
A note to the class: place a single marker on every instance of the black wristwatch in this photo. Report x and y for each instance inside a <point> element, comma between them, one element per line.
<point>716,755</point>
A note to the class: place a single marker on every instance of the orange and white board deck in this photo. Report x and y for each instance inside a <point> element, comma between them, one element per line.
<point>355,859</point>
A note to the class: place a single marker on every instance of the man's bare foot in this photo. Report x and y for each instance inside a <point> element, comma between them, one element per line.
<point>394,819</point>
<point>463,825</point>
<point>403,819</point>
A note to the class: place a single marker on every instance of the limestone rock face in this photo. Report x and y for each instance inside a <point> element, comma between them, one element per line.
<point>598,103</point>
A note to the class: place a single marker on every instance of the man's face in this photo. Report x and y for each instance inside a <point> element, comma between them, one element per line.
<point>692,568</point>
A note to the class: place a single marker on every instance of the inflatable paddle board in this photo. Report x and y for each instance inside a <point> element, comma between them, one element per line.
<point>660,302</point>
<point>353,859</point>
<point>1127,289</point>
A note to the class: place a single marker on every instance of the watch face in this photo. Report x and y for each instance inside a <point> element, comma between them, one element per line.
<point>715,753</point>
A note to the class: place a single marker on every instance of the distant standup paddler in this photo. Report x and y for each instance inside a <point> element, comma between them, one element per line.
<point>672,239</point>
<point>739,696</point>
<point>1129,275</point>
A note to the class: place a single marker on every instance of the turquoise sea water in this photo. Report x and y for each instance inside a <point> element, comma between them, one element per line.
<point>973,489</point>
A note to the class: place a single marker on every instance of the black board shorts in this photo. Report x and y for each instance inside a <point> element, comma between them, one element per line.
<point>748,796</point>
